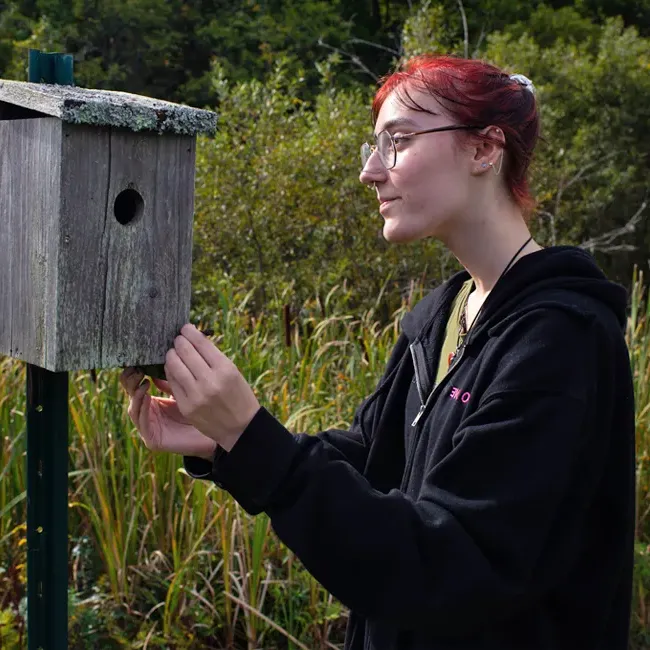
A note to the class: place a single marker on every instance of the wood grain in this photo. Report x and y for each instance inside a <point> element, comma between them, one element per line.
<point>30,162</point>
<point>78,289</point>
<point>134,278</point>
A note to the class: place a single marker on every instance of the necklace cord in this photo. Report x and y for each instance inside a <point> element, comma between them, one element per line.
<point>463,318</point>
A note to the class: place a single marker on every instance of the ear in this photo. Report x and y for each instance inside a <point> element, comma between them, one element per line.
<point>488,154</point>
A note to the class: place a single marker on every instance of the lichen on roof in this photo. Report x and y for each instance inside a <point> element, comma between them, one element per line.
<point>108,108</point>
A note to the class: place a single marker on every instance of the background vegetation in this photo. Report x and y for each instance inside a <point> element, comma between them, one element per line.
<point>284,228</point>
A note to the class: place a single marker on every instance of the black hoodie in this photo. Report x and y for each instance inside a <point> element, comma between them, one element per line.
<point>503,518</point>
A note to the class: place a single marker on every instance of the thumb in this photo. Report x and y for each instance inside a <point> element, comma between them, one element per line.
<point>162,385</point>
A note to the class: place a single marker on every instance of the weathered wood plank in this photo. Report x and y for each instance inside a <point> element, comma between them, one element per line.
<point>79,289</point>
<point>84,235</point>
<point>30,163</point>
<point>147,284</point>
<point>138,272</point>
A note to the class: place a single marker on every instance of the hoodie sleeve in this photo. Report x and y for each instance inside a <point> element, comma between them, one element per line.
<point>497,521</point>
<point>341,445</point>
<point>347,446</point>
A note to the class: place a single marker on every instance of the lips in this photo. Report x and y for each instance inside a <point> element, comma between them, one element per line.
<point>384,202</point>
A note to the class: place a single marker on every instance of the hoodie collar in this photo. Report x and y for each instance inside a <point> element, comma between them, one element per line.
<point>557,267</point>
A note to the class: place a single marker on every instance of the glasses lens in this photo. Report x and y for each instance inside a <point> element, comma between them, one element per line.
<point>366,152</point>
<point>386,148</point>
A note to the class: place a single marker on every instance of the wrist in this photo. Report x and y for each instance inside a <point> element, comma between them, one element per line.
<point>207,454</point>
<point>228,443</point>
<point>228,440</point>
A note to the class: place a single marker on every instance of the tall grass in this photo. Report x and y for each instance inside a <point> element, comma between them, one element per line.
<point>638,340</point>
<point>160,560</point>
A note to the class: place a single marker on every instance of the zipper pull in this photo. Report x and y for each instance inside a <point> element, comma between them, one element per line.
<point>418,416</point>
<point>458,355</point>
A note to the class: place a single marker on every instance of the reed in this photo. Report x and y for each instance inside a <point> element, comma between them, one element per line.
<point>160,560</point>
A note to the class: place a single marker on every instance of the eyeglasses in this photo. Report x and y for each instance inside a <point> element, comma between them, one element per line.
<point>386,144</point>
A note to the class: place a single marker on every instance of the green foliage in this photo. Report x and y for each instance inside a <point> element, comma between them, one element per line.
<point>9,635</point>
<point>590,174</point>
<point>88,620</point>
<point>548,26</point>
<point>166,49</point>
<point>279,202</point>
<point>640,632</point>
<point>428,31</point>
<point>278,199</point>
<point>590,171</point>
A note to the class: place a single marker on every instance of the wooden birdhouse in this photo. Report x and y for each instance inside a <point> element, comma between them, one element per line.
<point>96,212</point>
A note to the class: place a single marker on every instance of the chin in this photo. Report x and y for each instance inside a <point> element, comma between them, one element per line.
<point>395,234</point>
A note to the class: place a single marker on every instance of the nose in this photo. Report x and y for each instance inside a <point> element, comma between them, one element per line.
<point>374,171</point>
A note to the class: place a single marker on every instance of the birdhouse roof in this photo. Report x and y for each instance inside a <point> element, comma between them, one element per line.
<point>108,108</point>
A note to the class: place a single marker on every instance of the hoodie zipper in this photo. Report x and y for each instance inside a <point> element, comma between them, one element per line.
<point>418,365</point>
<point>418,362</point>
<point>424,404</point>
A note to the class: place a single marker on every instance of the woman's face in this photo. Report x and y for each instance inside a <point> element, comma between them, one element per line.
<point>428,188</point>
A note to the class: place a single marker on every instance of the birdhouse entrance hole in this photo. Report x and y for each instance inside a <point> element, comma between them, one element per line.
<point>129,205</point>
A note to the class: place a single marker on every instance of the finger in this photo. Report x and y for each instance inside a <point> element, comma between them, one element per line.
<point>202,344</point>
<point>130,380</point>
<point>135,406</point>
<point>143,416</point>
<point>163,386</point>
<point>190,356</point>
<point>179,377</point>
<point>124,375</point>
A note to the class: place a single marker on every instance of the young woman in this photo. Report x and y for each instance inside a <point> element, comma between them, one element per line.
<point>484,495</point>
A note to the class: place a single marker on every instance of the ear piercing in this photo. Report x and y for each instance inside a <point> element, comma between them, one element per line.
<point>491,164</point>
<point>497,171</point>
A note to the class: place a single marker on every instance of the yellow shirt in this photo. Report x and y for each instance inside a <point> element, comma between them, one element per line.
<point>451,340</point>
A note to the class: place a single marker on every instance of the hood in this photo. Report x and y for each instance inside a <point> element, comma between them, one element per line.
<point>533,276</point>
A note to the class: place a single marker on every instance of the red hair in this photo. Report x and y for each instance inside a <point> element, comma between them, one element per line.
<point>477,94</point>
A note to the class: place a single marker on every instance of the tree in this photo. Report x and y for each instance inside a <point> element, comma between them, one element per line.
<point>166,49</point>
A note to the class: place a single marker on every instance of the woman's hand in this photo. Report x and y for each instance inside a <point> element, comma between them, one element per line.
<point>159,421</point>
<point>210,391</point>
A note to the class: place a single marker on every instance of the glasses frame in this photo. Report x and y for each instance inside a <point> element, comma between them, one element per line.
<point>368,149</point>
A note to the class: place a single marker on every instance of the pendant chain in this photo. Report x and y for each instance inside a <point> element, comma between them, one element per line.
<point>463,329</point>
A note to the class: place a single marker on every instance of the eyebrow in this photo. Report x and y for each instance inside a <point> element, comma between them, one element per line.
<point>400,121</point>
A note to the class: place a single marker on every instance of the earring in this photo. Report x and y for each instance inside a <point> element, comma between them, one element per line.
<point>484,165</point>
<point>498,171</point>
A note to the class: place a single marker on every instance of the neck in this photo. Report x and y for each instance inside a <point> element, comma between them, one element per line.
<point>486,244</point>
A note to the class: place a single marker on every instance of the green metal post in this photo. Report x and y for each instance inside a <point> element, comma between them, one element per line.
<point>51,68</point>
<point>47,509</point>
<point>47,464</point>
